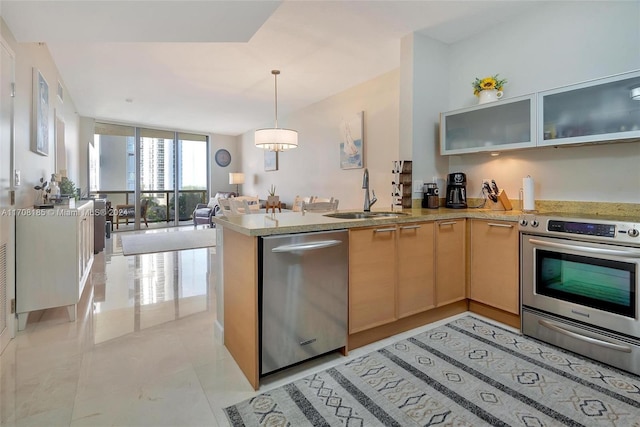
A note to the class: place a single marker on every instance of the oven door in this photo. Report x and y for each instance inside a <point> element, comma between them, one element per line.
<point>588,282</point>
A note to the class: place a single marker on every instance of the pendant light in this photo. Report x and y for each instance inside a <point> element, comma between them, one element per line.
<point>276,139</point>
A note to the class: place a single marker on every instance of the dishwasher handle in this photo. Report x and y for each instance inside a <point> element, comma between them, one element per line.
<point>308,246</point>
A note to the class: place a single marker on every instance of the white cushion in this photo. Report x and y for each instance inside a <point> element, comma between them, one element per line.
<point>213,201</point>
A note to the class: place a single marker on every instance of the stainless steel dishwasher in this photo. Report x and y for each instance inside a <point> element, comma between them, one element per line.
<point>303,297</point>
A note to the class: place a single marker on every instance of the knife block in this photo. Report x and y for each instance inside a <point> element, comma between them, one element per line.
<point>503,203</point>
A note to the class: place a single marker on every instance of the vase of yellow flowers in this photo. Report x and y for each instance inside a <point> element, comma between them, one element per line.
<point>488,89</point>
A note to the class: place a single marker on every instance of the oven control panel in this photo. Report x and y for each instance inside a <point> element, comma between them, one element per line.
<point>586,228</point>
<point>596,229</point>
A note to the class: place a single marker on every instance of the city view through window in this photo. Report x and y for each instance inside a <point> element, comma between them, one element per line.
<point>167,160</point>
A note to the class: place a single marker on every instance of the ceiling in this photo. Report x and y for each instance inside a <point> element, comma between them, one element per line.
<point>206,65</point>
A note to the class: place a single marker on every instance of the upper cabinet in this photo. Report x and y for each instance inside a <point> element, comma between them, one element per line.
<point>599,110</point>
<point>503,125</point>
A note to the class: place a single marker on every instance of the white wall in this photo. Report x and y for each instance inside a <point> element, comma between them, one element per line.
<point>314,167</point>
<point>555,45</point>
<point>34,166</point>
<point>551,46</point>
<point>422,100</point>
<point>220,175</point>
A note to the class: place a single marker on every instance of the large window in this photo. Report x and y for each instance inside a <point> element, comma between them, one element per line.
<point>161,166</point>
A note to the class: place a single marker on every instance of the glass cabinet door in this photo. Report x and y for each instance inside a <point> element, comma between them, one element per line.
<point>501,125</point>
<point>599,110</point>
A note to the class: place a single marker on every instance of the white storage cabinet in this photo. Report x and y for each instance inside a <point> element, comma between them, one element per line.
<point>506,124</point>
<point>54,255</point>
<point>600,110</point>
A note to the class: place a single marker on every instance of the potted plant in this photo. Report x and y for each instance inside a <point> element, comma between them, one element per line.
<point>272,199</point>
<point>488,89</point>
<point>68,188</point>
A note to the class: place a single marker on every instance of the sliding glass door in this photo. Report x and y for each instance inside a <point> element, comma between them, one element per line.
<point>157,154</point>
<point>164,174</point>
<point>192,173</point>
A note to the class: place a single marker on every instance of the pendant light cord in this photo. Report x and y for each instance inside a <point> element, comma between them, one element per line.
<point>275,77</point>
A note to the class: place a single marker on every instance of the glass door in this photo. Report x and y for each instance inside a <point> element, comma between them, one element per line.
<point>192,174</point>
<point>153,176</point>
<point>157,161</point>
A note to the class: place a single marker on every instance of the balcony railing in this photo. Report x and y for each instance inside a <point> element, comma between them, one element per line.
<point>161,202</point>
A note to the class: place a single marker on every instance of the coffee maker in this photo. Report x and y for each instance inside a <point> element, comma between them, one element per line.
<point>456,191</point>
<point>431,198</point>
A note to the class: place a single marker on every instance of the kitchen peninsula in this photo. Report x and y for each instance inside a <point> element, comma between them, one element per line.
<point>405,271</point>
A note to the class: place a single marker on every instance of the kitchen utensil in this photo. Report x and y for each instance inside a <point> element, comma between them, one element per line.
<point>494,186</point>
<point>490,195</point>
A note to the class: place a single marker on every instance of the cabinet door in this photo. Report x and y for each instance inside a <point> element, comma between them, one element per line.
<point>502,125</point>
<point>494,264</point>
<point>416,278</point>
<point>372,277</point>
<point>450,261</point>
<point>593,111</point>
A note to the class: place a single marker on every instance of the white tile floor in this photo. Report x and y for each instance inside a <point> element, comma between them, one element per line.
<point>143,350</point>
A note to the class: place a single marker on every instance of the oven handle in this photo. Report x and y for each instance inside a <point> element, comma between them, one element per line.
<point>599,251</point>
<point>607,344</point>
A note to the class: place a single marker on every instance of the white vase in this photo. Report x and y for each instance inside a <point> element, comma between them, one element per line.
<point>490,95</point>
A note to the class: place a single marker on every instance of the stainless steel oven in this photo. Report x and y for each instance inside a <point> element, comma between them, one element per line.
<point>580,286</point>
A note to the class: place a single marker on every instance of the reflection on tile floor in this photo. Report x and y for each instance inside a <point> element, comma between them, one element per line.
<point>143,350</point>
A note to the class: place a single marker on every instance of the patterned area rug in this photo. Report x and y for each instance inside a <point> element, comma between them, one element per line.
<point>466,373</point>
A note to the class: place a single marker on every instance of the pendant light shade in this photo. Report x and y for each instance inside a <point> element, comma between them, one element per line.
<point>276,139</point>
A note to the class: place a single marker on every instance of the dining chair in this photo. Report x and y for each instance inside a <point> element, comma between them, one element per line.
<point>322,199</point>
<point>236,206</point>
<point>298,201</point>
<point>225,207</point>
<point>320,206</point>
<point>251,207</point>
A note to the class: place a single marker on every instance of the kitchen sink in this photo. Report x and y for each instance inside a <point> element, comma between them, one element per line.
<point>365,215</point>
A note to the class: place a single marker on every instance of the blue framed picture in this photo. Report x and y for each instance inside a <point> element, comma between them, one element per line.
<point>352,142</point>
<point>41,113</point>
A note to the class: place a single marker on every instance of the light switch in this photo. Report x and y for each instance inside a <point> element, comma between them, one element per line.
<point>16,179</point>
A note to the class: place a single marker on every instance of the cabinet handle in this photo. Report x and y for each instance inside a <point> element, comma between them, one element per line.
<point>447,223</point>
<point>384,230</point>
<point>493,224</point>
<point>409,227</point>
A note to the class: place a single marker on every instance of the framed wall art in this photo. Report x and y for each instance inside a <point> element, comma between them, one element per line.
<point>352,142</point>
<point>40,113</point>
<point>270,160</point>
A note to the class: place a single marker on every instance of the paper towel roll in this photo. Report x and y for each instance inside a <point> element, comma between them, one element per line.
<point>528,196</point>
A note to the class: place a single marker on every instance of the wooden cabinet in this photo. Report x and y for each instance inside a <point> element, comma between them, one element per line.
<point>494,254</point>
<point>450,260</point>
<point>54,255</point>
<point>372,277</point>
<point>416,276</point>
<point>503,125</point>
<point>594,111</point>
<point>391,273</point>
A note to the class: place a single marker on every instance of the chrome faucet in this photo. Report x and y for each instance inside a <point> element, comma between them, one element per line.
<point>365,185</point>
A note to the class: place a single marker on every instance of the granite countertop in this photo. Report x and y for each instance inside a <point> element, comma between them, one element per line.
<point>265,224</point>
